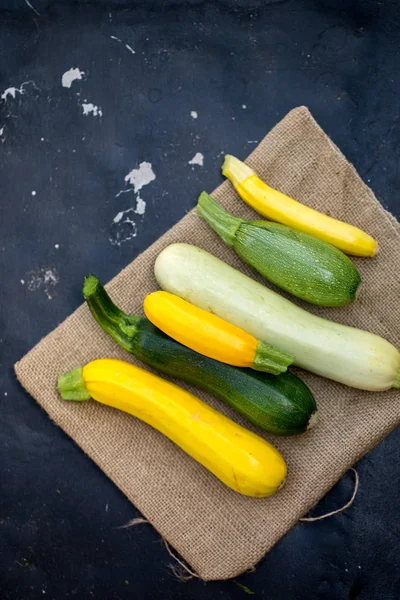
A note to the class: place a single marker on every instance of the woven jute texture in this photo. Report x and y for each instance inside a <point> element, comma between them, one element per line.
<point>217,531</point>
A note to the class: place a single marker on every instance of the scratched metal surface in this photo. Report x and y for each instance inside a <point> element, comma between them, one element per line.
<point>164,83</point>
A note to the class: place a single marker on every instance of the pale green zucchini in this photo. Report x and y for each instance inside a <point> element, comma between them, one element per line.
<point>300,264</point>
<point>348,355</point>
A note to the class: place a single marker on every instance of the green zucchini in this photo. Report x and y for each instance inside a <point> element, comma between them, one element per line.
<point>298,263</point>
<point>282,405</point>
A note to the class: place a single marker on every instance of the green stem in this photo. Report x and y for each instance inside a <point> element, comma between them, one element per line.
<point>120,326</point>
<point>72,386</point>
<point>396,382</point>
<point>218,218</point>
<point>271,360</point>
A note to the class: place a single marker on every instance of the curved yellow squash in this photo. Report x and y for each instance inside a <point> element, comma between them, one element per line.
<point>212,336</point>
<point>278,207</point>
<point>241,459</point>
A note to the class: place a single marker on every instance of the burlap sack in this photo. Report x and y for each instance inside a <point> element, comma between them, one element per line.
<point>219,532</point>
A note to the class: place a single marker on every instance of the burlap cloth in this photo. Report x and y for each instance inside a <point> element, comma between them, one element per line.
<point>219,532</point>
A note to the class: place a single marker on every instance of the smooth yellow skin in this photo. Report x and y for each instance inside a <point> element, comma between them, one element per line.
<point>200,330</point>
<point>281,208</point>
<point>239,458</point>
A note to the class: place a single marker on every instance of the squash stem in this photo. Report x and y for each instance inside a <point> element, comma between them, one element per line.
<point>396,382</point>
<point>115,322</point>
<point>271,360</point>
<point>236,170</point>
<point>218,218</point>
<point>71,386</point>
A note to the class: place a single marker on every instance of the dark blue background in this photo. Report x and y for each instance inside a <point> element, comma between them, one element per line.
<point>341,59</point>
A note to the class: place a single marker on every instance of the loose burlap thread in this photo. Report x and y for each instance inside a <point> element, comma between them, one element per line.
<point>217,531</point>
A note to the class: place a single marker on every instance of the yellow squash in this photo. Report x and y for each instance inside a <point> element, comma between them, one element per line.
<point>241,459</point>
<point>211,336</point>
<point>281,208</point>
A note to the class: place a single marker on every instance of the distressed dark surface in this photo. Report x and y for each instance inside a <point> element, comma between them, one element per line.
<point>59,515</point>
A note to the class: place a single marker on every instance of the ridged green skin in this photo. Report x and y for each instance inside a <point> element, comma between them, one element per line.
<point>281,404</point>
<point>296,262</point>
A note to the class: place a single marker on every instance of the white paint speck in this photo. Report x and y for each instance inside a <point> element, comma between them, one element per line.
<point>32,8</point>
<point>198,159</point>
<point>141,176</point>
<point>119,216</point>
<point>42,139</point>
<point>2,130</point>
<point>244,106</point>
<point>6,393</point>
<point>89,108</point>
<point>22,281</point>
<point>70,76</point>
<point>130,191</point>
<point>44,278</point>
<point>252,141</point>
<point>194,114</point>
<point>106,507</point>
<point>127,46</point>
<point>140,206</point>
<point>56,246</point>
<point>33,193</point>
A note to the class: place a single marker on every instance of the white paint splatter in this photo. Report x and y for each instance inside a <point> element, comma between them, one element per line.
<point>141,176</point>
<point>33,193</point>
<point>127,46</point>
<point>6,393</point>
<point>22,281</point>
<point>13,91</point>
<point>198,159</point>
<point>252,141</point>
<point>106,507</point>
<point>194,114</point>
<point>123,228</point>
<point>42,139</point>
<point>2,130</point>
<point>140,205</point>
<point>70,76</point>
<point>56,246</point>
<point>244,106</point>
<point>45,279</point>
<point>89,108</point>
